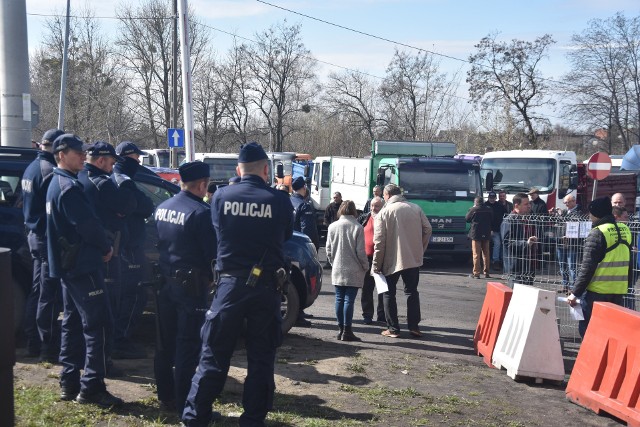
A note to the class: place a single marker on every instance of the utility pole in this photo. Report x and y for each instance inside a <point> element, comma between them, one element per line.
<point>65,65</point>
<point>187,106</point>
<point>173,156</point>
<point>15,92</point>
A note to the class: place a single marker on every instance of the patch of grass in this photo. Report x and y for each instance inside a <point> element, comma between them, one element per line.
<point>310,411</point>
<point>282,361</point>
<point>370,394</point>
<point>408,402</point>
<point>310,362</point>
<point>439,370</point>
<point>40,406</point>
<point>357,365</point>
<point>405,365</point>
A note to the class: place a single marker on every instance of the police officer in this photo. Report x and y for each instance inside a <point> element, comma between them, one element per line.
<point>78,247</point>
<point>132,295</point>
<point>304,220</point>
<point>252,222</point>
<point>111,205</point>
<point>304,213</point>
<point>45,300</point>
<point>187,246</point>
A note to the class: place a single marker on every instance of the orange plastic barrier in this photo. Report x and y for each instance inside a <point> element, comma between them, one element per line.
<point>606,375</point>
<point>494,308</point>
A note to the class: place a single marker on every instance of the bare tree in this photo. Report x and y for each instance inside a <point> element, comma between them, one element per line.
<point>281,70</point>
<point>603,86</point>
<point>509,71</point>
<point>416,96</point>
<point>95,100</point>
<point>144,40</point>
<point>235,79</point>
<point>353,95</point>
<point>209,106</point>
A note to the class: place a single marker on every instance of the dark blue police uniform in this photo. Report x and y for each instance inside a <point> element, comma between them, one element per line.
<point>133,296</point>
<point>77,243</point>
<point>44,302</point>
<point>111,205</point>
<point>304,213</point>
<point>187,246</point>
<point>252,222</point>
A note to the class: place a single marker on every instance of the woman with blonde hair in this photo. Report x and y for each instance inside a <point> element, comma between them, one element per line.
<point>345,251</point>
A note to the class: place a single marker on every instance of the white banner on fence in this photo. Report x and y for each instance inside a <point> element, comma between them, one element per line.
<point>578,229</point>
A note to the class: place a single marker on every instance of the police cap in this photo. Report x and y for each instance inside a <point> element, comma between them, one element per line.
<point>192,171</point>
<point>69,140</point>
<point>298,183</point>
<point>128,147</point>
<point>50,136</point>
<point>102,148</point>
<point>251,152</point>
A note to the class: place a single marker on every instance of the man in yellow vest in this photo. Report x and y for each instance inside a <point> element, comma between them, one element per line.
<point>605,273</point>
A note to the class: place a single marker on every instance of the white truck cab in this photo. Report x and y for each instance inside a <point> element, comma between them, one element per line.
<point>160,157</point>
<point>553,173</point>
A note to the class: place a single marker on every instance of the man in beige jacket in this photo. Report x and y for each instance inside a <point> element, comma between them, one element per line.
<point>401,235</point>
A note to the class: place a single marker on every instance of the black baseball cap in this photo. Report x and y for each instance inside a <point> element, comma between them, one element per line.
<point>69,140</point>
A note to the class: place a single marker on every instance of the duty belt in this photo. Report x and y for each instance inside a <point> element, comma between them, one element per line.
<point>236,273</point>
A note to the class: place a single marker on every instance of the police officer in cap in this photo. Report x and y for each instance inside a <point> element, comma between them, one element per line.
<point>187,246</point>
<point>78,247</point>
<point>252,222</point>
<point>304,221</point>
<point>304,213</point>
<point>45,300</point>
<point>111,205</point>
<point>132,297</point>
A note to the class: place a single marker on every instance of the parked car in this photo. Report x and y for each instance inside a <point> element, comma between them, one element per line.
<point>306,271</point>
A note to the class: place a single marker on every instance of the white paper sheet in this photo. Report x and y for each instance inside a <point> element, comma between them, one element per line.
<point>381,282</point>
<point>576,311</point>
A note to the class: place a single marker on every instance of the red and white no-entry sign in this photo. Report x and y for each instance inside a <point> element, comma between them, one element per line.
<point>599,166</point>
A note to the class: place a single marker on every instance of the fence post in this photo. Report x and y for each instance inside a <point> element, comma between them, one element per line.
<point>7,338</point>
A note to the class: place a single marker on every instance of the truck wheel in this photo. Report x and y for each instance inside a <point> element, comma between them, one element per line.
<point>19,301</point>
<point>289,308</point>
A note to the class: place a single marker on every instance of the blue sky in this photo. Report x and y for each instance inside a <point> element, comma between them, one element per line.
<point>448,27</point>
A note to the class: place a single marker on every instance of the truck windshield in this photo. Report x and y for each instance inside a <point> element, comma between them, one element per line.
<point>221,169</point>
<point>425,182</point>
<point>287,165</point>
<point>163,158</point>
<point>514,175</point>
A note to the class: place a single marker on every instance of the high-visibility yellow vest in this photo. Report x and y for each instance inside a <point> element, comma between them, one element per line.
<point>612,274</point>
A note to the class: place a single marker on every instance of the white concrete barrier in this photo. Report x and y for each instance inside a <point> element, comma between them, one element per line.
<point>529,342</point>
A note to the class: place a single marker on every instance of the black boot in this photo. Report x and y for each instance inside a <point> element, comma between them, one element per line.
<point>347,335</point>
<point>340,332</point>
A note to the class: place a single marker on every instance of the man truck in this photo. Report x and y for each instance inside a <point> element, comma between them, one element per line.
<point>444,187</point>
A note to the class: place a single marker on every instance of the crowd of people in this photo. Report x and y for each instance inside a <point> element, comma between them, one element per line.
<point>86,222</point>
<point>605,271</point>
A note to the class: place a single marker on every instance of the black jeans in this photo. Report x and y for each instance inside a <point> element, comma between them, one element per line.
<point>366,299</point>
<point>410,277</point>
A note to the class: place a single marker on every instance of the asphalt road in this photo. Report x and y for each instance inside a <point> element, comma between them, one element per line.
<point>449,300</point>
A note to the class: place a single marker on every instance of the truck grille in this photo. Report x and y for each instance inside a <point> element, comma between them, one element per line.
<point>442,223</point>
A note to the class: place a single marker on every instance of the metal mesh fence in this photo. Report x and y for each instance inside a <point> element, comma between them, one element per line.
<point>553,261</point>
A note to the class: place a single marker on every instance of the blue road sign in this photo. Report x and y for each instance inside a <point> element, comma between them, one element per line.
<point>175,138</point>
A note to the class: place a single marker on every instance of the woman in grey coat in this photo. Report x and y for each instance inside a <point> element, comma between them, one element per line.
<point>345,251</point>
